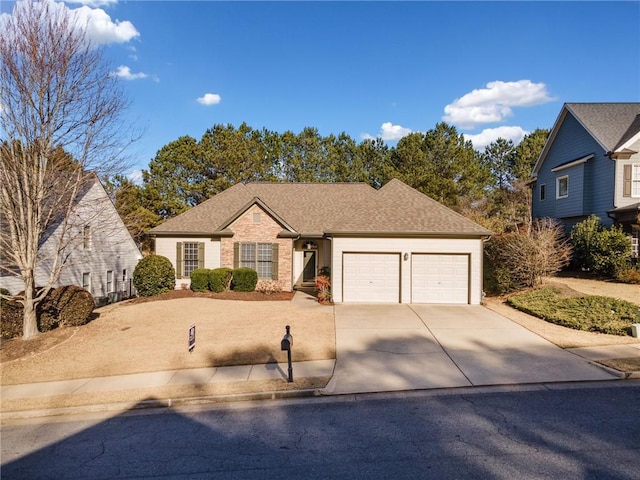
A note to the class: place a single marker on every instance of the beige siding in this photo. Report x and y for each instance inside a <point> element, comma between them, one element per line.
<point>323,257</point>
<point>473,247</point>
<point>167,248</point>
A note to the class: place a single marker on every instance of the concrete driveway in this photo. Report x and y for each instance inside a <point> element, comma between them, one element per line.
<point>405,347</point>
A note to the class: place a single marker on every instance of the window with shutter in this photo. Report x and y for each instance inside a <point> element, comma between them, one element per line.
<point>189,256</point>
<point>261,257</point>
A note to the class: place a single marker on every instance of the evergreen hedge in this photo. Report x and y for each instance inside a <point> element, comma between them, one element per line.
<point>154,275</point>
<point>244,279</point>
<point>220,279</point>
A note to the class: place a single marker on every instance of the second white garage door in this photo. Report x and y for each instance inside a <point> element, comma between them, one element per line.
<point>371,277</point>
<point>439,278</point>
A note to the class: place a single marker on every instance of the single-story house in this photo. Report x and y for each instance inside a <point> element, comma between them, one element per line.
<point>389,245</point>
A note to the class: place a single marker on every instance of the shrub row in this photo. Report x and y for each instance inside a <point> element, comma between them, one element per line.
<point>221,279</point>
<point>63,306</point>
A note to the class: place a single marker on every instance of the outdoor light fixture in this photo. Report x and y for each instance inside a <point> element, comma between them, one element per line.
<point>406,257</point>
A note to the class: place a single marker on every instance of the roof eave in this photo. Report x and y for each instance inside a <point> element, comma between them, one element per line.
<point>444,234</point>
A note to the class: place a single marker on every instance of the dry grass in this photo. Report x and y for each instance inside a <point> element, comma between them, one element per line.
<point>623,364</point>
<point>153,336</point>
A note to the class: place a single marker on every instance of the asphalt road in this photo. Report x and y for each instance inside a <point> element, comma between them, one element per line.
<point>577,431</point>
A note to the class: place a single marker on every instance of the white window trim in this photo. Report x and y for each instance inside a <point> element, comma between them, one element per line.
<point>635,180</point>
<point>109,284</point>
<point>558,179</point>
<point>543,188</point>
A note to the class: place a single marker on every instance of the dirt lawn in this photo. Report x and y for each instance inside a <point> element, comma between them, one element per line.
<point>134,337</point>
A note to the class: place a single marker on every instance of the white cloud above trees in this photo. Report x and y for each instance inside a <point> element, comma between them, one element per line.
<point>489,135</point>
<point>209,99</point>
<point>494,103</point>
<point>388,132</point>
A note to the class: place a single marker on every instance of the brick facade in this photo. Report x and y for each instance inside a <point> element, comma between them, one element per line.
<point>256,225</point>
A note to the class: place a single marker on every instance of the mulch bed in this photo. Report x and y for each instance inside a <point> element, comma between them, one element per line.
<point>229,295</point>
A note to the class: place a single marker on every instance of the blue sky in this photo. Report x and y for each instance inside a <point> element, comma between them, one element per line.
<point>366,68</point>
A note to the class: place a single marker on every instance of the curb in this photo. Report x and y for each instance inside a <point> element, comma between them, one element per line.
<point>159,403</point>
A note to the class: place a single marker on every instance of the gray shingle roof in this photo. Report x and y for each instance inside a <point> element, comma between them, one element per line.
<point>610,123</point>
<point>319,208</point>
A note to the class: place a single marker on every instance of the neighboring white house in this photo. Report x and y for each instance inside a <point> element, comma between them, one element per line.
<point>392,245</point>
<point>99,254</point>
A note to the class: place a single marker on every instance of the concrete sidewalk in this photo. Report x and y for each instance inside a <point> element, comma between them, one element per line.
<point>198,376</point>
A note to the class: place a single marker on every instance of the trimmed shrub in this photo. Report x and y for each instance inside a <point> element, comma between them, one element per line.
<point>220,279</point>
<point>200,280</point>
<point>63,306</point>
<point>154,275</point>
<point>11,319</point>
<point>244,280</point>
<point>4,291</point>
<point>70,305</point>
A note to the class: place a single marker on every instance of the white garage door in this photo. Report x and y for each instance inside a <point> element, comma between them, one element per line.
<point>371,277</point>
<point>439,278</point>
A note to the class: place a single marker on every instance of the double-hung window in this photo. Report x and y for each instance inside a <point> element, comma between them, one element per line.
<point>110,281</point>
<point>189,257</point>
<point>86,237</point>
<point>261,257</point>
<point>562,187</point>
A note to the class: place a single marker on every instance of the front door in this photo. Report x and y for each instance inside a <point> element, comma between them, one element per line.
<point>309,270</point>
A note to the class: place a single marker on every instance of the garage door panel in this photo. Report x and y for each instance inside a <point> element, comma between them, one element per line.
<point>440,278</point>
<point>371,277</point>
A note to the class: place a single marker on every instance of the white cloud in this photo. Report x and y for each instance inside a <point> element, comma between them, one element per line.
<point>94,3</point>
<point>135,176</point>
<point>101,30</point>
<point>125,73</point>
<point>488,135</point>
<point>493,103</point>
<point>388,132</point>
<point>209,99</point>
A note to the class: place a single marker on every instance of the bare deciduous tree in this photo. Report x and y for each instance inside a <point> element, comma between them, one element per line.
<point>59,111</point>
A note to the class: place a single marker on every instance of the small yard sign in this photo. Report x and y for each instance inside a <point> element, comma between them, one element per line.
<point>192,337</point>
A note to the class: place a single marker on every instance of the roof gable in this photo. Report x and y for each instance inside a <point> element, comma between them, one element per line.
<point>611,125</point>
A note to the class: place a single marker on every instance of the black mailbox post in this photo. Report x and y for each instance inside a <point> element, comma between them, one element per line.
<point>286,344</point>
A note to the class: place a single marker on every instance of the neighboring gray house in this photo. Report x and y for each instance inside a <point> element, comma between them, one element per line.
<point>99,253</point>
<point>590,164</point>
<point>393,245</point>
